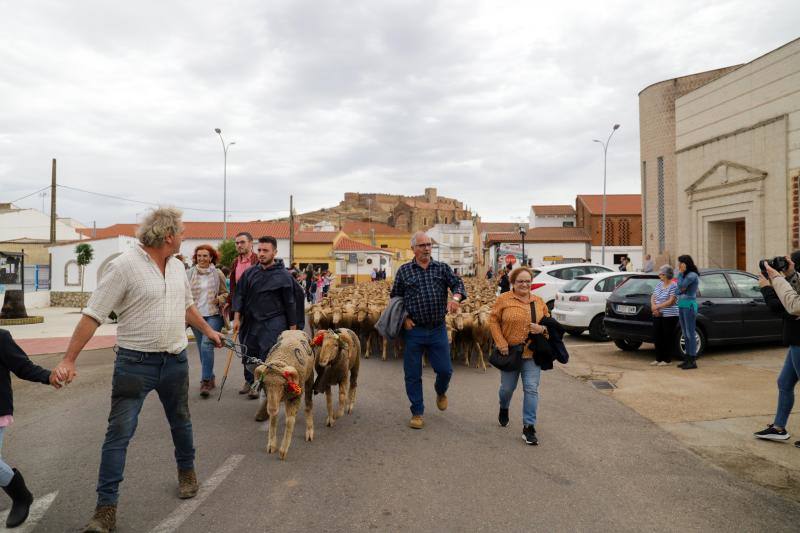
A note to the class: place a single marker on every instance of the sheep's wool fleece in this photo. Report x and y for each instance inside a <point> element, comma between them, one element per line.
<point>293,349</point>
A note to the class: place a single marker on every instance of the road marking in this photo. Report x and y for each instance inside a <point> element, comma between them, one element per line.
<point>37,511</point>
<point>179,515</point>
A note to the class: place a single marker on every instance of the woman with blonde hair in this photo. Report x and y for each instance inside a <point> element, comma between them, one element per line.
<point>516,314</point>
<point>210,293</point>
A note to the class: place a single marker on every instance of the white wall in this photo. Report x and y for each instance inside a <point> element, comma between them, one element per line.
<point>536,252</point>
<point>37,299</point>
<point>552,221</point>
<point>33,224</point>
<point>104,251</point>
<point>343,267</point>
<point>634,253</point>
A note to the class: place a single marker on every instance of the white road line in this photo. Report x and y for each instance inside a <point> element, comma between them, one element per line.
<point>179,515</point>
<point>37,511</point>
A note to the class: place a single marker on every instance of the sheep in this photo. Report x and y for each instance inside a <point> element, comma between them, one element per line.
<point>337,362</point>
<point>289,367</point>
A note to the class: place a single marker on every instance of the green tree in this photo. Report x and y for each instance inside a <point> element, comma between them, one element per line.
<point>227,253</point>
<point>85,254</point>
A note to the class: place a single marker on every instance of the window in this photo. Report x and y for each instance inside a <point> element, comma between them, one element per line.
<point>568,224</point>
<point>597,269</point>
<point>384,245</point>
<point>662,230</point>
<point>72,274</point>
<point>575,285</point>
<point>714,286</point>
<point>746,285</point>
<point>609,284</point>
<point>466,239</point>
<point>609,231</point>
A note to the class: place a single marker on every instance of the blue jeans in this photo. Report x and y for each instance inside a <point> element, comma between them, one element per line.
<point>787,379</point>
<point>434,342</point>
<point>531,374</point>
<point>135,375</point>
<point>688,317</point>
<point>6,473</point>
<point>259,340</point>
<point>206,348</point>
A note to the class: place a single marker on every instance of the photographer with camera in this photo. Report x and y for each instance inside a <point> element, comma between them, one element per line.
<point>780,286</point>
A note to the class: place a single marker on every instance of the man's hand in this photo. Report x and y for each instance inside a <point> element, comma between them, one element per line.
<point>408,323</point>
<point>54,381</point>
<point>790,270</point>
<point>215,337</point>
<point>452,306</point>
<point>762,281</point>
<point>771,272</point>
<point>235,327</point>
<point>64,371</point>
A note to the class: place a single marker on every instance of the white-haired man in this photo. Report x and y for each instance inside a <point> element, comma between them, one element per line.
<point>423,284</point>
<point>148,290</point>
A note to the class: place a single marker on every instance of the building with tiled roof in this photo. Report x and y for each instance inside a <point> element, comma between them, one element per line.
<point>551,216</point>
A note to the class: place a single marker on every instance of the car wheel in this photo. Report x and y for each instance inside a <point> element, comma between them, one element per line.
<point>627,345</point>
<point>700,338</point>
<point>575,332</point>
<point>597,330</point>
<point>551,304</point>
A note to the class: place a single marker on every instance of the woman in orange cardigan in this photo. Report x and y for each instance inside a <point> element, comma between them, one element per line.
<point>510,322</point>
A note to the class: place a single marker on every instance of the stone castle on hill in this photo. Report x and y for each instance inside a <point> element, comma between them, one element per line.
<point>407,213</point>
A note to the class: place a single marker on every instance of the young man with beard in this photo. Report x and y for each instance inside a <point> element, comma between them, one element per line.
<point>245,259</point>
<point>264,304</point>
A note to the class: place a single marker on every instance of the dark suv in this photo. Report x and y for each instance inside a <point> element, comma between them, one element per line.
<point>731,310</point>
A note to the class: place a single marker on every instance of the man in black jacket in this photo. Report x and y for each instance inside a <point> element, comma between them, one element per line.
<point>13,359</point>
<point>790,374</point>
<point>264,304</point>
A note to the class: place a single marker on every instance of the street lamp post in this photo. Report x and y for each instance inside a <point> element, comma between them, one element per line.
<point>605,158</point>
<point>522,233</point>
<point>224,184</point>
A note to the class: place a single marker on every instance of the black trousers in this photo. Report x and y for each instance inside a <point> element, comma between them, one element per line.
<point>664,333</point>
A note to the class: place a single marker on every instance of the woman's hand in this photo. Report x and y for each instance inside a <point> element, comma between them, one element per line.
<point>762,281</point>
<point>536,329</point>
<point>503,350</point>
<point>656,312</point>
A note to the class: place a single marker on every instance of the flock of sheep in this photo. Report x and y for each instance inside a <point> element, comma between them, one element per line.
<point>298,367</point>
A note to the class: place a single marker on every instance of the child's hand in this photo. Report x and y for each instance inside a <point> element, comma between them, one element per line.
<point>54,381</point>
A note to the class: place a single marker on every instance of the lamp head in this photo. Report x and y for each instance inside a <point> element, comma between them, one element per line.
<point>217,130</point>
<point>232,142</point>
<point>616,126</point>
<point>597,141</point>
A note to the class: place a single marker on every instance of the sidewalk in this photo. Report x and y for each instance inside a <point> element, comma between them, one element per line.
<point>52,335</point>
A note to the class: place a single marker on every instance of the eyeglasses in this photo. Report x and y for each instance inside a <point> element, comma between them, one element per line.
<point>424,245</point>
<point>521,281</point>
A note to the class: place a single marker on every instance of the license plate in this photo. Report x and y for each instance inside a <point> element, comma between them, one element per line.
<point>626,309</point>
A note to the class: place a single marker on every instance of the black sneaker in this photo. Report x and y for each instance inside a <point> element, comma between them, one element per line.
<point>503,417</point>
<point>529,435</point>
<point>797,444</point>
<point>772,434</point>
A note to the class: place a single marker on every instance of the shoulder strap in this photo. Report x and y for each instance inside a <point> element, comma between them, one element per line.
<point>533,312</point>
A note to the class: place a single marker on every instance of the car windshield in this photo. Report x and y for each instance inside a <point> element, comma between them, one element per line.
<point>637,287</point>
<point>576,285</point>
<point>536,273</point>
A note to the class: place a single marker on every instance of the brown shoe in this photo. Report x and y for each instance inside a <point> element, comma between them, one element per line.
<point>104,520</point>
<point>441,401</point>
<point>205,389</point>
<point>187,484</point>
<point>212,383</point>
<point>245,388</point>
<point>416,422</point>
<point>253,394</point>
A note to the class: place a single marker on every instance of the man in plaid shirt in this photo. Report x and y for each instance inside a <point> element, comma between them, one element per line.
<point>423,284</point>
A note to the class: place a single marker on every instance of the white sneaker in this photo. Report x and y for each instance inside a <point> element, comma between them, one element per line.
<point>662,363</point>
<point>654,363</point>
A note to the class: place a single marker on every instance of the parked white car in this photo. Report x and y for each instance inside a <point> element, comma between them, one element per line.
<point>548,280</point>
<point>581,303</point>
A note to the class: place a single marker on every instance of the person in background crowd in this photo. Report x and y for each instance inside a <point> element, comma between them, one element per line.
<point>226,272</point>
<point>623,264</point>
<point>182,259</point>
<point>13,359</point>
<point>309,279</point>
<point>648,265</point>
<point>505,283</point>
<point>423,284</point>
<point>781,290</point>
<point>149,289</point>
<point>264,305</point>
<point>327,279</point>
<point>245,259</point>
<point>374,274</point>
<point>663,303</point>
<point>489,274</point>
<point>210,293</point>
<point>318,291</point>
<point>688,282</point>
<point>510,323</point>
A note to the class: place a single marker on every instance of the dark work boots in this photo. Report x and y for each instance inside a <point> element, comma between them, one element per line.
<point>21,499</point>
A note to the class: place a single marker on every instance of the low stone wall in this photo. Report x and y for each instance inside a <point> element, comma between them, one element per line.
<point>68,299</point>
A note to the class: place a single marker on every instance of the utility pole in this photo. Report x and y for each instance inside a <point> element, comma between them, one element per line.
<point>291,230</point>
<point>53,205</point>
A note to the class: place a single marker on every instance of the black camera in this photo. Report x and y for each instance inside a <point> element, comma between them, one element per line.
<point>779,263</point>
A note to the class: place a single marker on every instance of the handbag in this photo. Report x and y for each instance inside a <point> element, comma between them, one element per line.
<point>538,344</point>
<point>510,362</point>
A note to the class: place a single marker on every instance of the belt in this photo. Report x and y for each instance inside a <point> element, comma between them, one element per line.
<point>429,325</point>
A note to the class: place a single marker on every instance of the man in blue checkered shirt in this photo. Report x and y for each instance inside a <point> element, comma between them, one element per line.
<point>423,284</point>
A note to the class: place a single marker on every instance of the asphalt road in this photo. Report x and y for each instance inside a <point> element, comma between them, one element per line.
<point>600,466</point>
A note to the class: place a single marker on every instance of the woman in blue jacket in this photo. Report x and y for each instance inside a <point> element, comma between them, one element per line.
<point>688,280</point>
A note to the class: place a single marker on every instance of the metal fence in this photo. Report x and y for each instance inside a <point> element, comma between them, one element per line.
<point>37,278</point>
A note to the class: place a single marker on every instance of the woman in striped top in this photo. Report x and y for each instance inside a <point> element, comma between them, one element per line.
<point>665,315</point>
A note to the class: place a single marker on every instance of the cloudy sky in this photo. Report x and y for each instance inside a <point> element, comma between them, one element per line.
<point>495,103</point>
